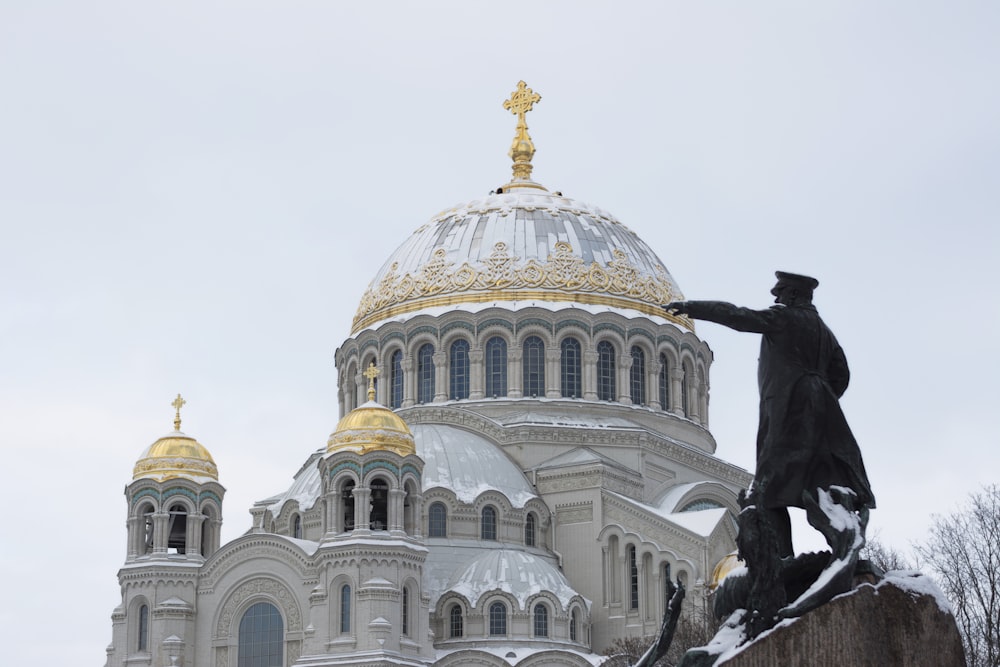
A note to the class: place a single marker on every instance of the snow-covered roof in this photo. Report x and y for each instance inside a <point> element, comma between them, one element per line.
<point>305,489</point>
<point>581,456</point>
<point>517,573</point>
<point>468,464</point>
<point>701,523</point>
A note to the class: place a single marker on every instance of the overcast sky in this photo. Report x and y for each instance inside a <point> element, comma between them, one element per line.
<point>194,195</point>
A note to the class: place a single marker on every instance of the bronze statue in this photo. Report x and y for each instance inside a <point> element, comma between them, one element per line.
<point>807,456</point>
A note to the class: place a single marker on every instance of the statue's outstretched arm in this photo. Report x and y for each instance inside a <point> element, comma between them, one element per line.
<point>734,317</point>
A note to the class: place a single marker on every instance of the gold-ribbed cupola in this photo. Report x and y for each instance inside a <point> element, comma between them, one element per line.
<point>176,455</point>
<point>372,427</point>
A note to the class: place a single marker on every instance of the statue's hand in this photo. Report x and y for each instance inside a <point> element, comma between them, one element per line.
<point>677,307</point>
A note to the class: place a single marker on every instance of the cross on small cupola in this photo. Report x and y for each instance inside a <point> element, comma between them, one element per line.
<point>371,373</point>
<point>177,405</point>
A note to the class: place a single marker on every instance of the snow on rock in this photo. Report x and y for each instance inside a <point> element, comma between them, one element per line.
<point>916,583</point>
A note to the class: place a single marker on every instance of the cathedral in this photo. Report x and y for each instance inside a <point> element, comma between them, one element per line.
<point>523,461</point>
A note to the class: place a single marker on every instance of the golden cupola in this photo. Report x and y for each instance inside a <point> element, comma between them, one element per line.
<point>372,427</point>
<point>520,246</point>
<point>176,455</point>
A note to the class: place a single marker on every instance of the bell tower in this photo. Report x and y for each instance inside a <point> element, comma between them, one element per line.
<point>174,523</point>
<point>372,504</point>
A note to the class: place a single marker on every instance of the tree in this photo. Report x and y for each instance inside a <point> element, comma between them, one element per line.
<point>963,550</point>
<point>695,628</point>
<point>884,556</point>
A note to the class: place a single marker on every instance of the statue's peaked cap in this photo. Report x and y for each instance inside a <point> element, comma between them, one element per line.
<point>797,279</point>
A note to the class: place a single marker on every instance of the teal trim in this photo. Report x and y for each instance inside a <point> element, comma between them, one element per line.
<point>392,336</point>
<point>632,333</point>
<point>371,342</point>
<point>410,335</point>
<point>178,491</point>
<point>344,466</point>
<point>607,326</point>
<point>211,496</point>
<point>534,321</point>
<point>146,492</point>
<point>385,465</point>
<point>562,324</point>
<point>495,321</point>
<point>409,467</point>
<point>462,324</point>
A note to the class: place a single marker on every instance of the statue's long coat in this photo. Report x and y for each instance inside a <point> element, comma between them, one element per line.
<point>803,441</point>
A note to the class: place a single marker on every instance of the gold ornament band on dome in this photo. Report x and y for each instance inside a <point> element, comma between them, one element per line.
<point>563,276</point>
<point>522,149</point>
<point>177,405</point>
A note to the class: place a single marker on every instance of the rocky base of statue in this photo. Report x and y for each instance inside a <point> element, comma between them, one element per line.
<point>902,620</point>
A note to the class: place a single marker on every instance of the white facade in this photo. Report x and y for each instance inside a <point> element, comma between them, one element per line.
<point>562,469</point>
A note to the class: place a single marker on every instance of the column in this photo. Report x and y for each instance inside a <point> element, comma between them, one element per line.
<point>552,380</point>
<point>160,532</point>
<point>624,381</point>
<point>676,387</point>
<point>590,375</point>
<point>515,379</point>
<point>440,376</point>
<point>409,381</point>
<point>362,508</point>
<point>653,369</point>
<point>396,510</point>
<point>477,373</point>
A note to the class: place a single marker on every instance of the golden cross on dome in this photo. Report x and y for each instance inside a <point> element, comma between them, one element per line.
<point>177,405</point>
<point>371,373</point>
<point>522,149</point>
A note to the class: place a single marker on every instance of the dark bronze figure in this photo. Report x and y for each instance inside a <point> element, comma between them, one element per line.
<point>807,456</point>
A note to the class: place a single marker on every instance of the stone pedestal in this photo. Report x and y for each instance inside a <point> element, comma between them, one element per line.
<point>899,622</point>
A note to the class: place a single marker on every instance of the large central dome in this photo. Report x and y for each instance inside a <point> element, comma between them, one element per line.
<point>519,246</point>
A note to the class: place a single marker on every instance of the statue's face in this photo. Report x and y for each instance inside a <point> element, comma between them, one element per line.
<point>784,293</point>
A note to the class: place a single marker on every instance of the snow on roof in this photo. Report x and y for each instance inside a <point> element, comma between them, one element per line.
<point>535,416</point>
<point>515,572</point>
<point>468,464</point>
<point>513,654</point>
<point>581,456</point>
<point>306,487</point>
<point>700,523</point>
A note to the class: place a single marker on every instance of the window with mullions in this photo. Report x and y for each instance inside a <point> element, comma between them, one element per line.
<point>541,617</point>
<point>396,379</point>
<point>261,637</point>
<point>498,619</point>
<point>637,376</point>
<point>297,526</point>
<point>458,370</point>
<point>573,619</point>
<point>533,364</point>
<point>496,367</point>
<point>437,520</point>
<point>633,577</point>
<point>664,383</point>
<point>488,523</point>
<point>606,371</point>
<point>425,373</point>
<point>456,622</point>
<point>529,529</point>
<point>570,368</point>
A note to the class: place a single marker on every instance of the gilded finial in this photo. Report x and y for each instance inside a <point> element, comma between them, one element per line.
<point>522,149</point>
<point>371,373</point>
<point>177,405</point>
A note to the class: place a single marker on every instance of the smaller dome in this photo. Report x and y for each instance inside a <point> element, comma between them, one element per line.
<point>729,563</point>
<point>372,427</point>
<point>175,455</point>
